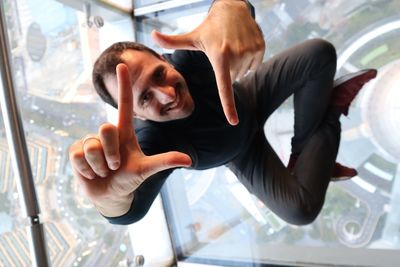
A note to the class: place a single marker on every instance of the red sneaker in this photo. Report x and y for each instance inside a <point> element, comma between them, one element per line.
<point>346,88</point>
<point>340,172</point>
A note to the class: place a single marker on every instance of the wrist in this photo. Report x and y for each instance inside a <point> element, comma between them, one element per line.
<point>114,206</point>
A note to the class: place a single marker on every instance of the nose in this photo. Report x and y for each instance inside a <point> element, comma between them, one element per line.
<point>166,94</point>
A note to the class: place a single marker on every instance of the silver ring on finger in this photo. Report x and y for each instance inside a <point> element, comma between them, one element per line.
<point>88,137</point>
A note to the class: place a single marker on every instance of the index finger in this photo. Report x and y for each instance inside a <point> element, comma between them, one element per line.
<point>125,103</point>
<point>224,83</point>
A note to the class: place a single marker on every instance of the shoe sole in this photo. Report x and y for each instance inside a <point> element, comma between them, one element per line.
<point>367,73</point>
<point>342,178</point>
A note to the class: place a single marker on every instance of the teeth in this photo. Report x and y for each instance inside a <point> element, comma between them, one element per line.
<point>173,105</point>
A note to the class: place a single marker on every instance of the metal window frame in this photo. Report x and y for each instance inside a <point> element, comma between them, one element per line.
<point>165,5</point>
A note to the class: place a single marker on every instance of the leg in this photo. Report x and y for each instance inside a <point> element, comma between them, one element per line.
<point>307,71</point>
<point>297,198</point>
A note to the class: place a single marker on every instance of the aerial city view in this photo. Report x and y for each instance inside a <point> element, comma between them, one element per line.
<point>52,55</point>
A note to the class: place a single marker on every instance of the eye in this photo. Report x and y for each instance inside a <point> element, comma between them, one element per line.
<point>159,74</point>
<point>146,97</point>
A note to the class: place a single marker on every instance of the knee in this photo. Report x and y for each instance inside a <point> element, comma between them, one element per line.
<point>324,51</point>
<point>304,218</point>
<point>303,213</point>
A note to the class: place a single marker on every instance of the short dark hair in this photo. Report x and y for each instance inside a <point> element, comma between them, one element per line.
<point>107,62</point>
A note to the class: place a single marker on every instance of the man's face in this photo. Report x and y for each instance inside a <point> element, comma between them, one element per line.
<point>160,93</point>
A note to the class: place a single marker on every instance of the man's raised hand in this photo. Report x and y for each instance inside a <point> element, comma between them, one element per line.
<point>110,166</point>
<point>232,41</point>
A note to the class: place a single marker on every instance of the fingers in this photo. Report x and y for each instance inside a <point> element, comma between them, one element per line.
<point>94,155</point>
<point>125,104</point>
<point>182,41</point>
<point>164,161</point>
<point>221,68</point>
<point>78,161</point>
<point>109,139</point>
<point>87,158</point>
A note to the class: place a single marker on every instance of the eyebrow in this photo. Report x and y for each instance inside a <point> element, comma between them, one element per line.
<point>157,69</point>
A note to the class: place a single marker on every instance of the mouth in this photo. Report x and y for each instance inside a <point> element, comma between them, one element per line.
<point>174,104</point>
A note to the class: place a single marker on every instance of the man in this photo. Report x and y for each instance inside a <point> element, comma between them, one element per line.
<point>189,115</point>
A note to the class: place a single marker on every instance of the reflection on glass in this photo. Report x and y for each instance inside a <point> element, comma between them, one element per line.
<point>219,219</point>
<point>52,54</point>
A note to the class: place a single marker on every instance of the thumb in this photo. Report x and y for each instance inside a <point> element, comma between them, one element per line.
<point>182,41</point>
<point>164,161</point>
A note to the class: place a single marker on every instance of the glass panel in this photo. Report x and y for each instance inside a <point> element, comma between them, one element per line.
<point>13,237</point>
<point>53,50</point>
<point>360,216</point>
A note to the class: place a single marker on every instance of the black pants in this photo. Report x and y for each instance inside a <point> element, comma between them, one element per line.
<point>307,71</point>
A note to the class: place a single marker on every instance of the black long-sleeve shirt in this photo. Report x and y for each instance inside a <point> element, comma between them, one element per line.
<point>205,135</point>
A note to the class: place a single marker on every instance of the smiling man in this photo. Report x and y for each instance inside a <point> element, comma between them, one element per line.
<point>188,113</point>
<point>159,90</point>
